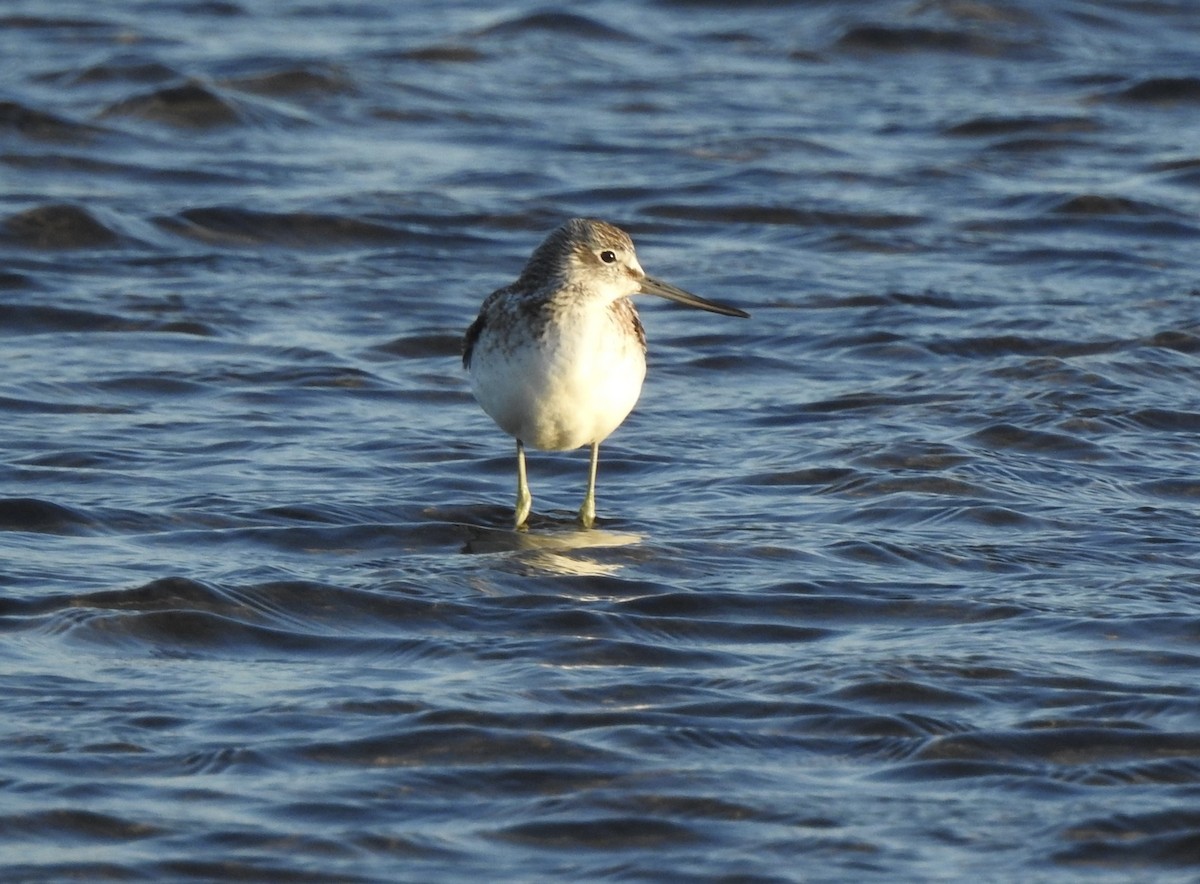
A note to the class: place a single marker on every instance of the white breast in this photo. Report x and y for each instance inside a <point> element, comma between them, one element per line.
<point>571,386</point>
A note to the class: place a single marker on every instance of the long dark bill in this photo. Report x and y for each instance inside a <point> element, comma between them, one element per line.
<point>652,286</point>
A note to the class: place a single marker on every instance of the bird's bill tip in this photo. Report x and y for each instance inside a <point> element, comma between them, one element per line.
<point>652,286</point>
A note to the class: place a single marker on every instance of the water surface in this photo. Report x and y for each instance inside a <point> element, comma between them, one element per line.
<point>896,580</point>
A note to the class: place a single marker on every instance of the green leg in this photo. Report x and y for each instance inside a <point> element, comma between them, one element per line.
<point>587,512</point>
<point>524,498</point>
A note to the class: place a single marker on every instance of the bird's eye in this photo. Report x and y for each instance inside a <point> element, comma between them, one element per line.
<point>608,256</point>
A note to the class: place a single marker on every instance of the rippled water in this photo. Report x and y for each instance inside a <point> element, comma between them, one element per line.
<point>897,580</point>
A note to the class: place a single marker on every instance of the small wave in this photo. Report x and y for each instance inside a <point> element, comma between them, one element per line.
<point>58,226</point>
<point>783,215</point>
<point>119,69</point>
<point>72,826</point>
<point>1068,747</point>
<point>1056,445</point>
<point>41,126</point>
<point>1185,171</point>
<point>294,82</point>
<point>232,226</point>
<point>905,694</point>
<point>60,23</point>
<point>41,318</point>
<point>41,406</point>
<point>890,38</point>
<point>17,319</point>
<point>1174,489</point>
<point>565,23</point>
<point>85,459</point>
<point>1163,90</point>
<point>995,346</point>
<point>177,617</point>
<point>600,833</point>
<point>29,514</point>
<point>1099,204</point>
<point>187,106</point>
<point>1169,420</point>
<point>987,127</point>
<point>455,746</point>
<point>423,346</point>
<point>73,164</point>
<point>444,53</point>
<point>1169,837</point>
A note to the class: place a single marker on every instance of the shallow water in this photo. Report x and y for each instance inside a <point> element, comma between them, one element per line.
<point>896,580</point>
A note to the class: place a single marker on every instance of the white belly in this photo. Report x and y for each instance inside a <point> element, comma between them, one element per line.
<point>569,388</point>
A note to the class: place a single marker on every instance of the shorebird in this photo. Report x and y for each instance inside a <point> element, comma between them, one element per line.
<point>558,357</point>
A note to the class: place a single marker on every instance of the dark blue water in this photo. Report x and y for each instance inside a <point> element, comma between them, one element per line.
<point>897,580</point>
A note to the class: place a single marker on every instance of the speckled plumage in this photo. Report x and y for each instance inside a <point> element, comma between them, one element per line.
<point>529,302</point>
<point>557,359</point>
